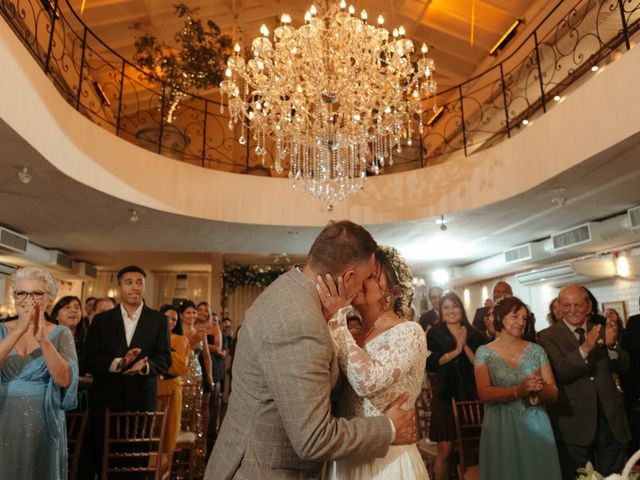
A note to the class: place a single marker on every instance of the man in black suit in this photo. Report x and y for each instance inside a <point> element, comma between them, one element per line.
<point>502,290</point>
<point>588,416</point>
<point>127,347</point>
<point>631,380</point>
<point>430,317</point>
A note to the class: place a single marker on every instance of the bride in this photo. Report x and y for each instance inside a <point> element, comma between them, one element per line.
<point>387,360</point>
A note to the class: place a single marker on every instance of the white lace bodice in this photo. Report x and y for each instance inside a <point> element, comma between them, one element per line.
<point>390,364</point>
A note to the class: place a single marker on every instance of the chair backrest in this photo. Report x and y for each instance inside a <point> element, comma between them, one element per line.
<point>76,427</point>
<point>468,420</point>
<point>423,412</point>
<point>133,443</point>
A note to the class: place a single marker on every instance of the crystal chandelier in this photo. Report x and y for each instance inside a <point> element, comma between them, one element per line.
<point>334,97</point>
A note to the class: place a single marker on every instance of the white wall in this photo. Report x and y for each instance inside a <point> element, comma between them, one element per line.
<point>538,298</point>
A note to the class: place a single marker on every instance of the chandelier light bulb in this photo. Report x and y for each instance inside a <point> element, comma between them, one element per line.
<point>285,19</point>
<point>424,49</point>
<point>237,48</point>
<point>401,31</point>
<point>380,20</point>
<point>264,30</point>
<point>364,16</point>
<point>352,10</point>
<point>307,17</point>
<point>395,33</point>
<point>313,11</point>
<point>343,4</point>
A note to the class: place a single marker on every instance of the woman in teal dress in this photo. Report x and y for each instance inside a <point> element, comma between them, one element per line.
<point>514,379</point>
<point>38,382</point>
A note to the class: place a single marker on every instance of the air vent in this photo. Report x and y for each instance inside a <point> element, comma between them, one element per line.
<point>57,258</point>
<point>13,241</point>
<point>518,254</point>
<point>85,269</point>
<point>634,218</point>
<point>580,271</point>
<point>6,269</point>
<point>571,238</point>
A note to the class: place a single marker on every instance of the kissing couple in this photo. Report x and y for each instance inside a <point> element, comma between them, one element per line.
<point>290,350</point>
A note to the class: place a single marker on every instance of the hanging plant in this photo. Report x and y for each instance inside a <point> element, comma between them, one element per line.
<point>235,276</point>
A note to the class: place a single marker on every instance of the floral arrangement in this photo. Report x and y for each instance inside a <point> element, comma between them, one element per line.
<point>197,62</point>
<point>404,276</point>
<point>235,276</point>
<point>588,472</point>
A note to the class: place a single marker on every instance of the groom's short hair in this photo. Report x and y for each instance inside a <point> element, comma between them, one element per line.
<point>339,246</point>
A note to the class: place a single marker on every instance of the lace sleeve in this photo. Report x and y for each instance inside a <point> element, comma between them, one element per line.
<point>366,375</point>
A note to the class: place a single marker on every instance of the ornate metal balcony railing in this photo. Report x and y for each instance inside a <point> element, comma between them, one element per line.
<point>115,94</point>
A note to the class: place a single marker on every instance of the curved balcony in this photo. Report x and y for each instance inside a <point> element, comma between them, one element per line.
<point>478,114</point>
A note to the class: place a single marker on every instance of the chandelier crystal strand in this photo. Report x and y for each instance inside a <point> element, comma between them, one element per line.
<point>334,96</point>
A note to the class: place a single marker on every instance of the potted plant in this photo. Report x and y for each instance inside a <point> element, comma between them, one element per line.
<point>196,62</point>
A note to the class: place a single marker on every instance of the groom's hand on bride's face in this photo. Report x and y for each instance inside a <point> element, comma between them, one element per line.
<point>403,420</point>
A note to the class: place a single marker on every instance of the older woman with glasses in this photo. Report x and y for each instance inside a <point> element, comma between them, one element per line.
<point>38,381</point>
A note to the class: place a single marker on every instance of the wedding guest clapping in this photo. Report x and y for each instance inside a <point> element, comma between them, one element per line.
<point>68,312</point>
<point>514,379</point>
<point>171,381</point>
<point>452,343</point>
<point>38,382</point>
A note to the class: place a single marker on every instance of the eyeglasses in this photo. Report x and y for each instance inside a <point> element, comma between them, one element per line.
<point>22,295</point>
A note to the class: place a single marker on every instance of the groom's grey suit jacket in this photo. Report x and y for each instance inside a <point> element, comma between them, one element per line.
<point>279,423</point>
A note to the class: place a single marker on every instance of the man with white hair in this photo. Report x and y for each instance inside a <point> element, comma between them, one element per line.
<point>589,416</point>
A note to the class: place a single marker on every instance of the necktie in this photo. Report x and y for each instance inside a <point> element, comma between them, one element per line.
<point>580,332</point>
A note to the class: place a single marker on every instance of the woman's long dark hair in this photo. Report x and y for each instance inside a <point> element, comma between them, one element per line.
<point>178,328</point>
<point>452,296</point>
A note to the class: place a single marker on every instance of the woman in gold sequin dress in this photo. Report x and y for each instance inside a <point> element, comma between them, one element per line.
<point>194,376</point>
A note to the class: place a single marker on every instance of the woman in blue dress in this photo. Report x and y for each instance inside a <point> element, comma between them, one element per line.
<point>38,381</point>
<point>514,379</point>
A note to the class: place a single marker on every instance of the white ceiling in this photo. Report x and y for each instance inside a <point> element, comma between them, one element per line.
<point>58,212</point>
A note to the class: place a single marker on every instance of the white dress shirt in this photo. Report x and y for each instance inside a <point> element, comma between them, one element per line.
<point>130,323</point>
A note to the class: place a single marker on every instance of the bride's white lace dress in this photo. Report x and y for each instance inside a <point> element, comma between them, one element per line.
<point>390,364</point>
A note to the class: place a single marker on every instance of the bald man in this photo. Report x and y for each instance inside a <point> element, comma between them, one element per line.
<point>589,416</point>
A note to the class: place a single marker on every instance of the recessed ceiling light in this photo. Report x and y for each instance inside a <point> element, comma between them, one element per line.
<point>557,98</point>
<point>525,122</point>
<point>594,68</point>
<point>440,276</point>
<point>24,176</point>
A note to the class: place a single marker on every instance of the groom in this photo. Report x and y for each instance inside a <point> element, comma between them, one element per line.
<point>279,423</point>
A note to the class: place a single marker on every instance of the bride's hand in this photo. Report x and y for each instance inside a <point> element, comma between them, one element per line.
<point>332,297</point>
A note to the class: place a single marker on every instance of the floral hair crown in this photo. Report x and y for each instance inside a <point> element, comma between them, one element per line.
<point>404,276</point>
